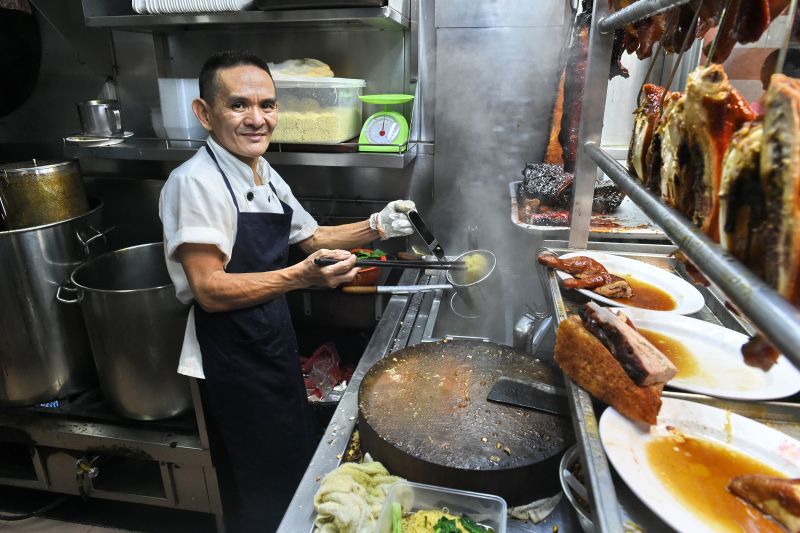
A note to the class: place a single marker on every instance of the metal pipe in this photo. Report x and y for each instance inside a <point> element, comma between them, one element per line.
<point>595,87</point>
<point>636,11</point>
<point>766,309</point>
<point>787,39</point>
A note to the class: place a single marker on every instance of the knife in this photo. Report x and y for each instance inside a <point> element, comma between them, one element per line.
<point>430,241</point>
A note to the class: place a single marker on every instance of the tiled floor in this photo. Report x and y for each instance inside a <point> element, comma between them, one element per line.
<point>44,525</point>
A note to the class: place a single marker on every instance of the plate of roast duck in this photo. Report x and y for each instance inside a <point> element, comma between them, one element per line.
<point>622,282</point>
<point>698,467</point>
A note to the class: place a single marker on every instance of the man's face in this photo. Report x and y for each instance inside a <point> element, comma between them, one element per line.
<point>244,112</point>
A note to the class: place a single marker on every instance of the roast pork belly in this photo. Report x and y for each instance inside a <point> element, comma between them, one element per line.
<point>713,111</point>
<point>742,206</point>
<point>642,361</point>
<point>644,125</point>
<point>777,497</point>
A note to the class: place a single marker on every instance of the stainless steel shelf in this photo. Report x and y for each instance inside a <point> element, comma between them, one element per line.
<point>379,17</point>
<point>169,150</point>
<point>775,317</point>
<point>636,11</point>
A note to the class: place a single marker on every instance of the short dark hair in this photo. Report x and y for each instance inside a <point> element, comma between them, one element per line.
<point>222,60</point>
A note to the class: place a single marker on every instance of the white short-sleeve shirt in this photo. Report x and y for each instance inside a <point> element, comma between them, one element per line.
<point>196,207</point>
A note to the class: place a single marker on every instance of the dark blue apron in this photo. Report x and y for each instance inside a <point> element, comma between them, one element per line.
<point>254,384</point>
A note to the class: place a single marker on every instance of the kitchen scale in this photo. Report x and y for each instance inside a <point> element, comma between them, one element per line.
<point>384,131</point>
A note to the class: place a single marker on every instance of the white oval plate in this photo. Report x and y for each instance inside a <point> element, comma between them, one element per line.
<point>688,300</point>
<point>717,350</point>
<point>625,444</point>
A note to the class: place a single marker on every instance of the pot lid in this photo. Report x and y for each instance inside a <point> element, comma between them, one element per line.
<point>26,167</point>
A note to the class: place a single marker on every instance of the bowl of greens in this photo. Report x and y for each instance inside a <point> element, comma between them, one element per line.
<point>366,275</point>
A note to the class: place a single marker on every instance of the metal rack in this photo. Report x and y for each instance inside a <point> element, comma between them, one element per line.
<point>766,309</point>
<point>328,155</point>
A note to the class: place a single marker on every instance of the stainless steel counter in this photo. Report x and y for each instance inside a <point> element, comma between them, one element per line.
<point>407,320</point>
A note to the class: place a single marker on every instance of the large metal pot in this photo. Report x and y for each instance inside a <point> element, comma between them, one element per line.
<point>33,194</point>
<point>136,327</point>
<point>44,351</point>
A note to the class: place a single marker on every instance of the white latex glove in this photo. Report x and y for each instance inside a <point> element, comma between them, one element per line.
<point>393,221</point>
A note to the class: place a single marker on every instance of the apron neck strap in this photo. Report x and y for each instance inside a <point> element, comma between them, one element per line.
<point>224,177</point>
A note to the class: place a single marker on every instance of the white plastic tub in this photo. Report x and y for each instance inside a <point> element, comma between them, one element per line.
<point>318,110</point>
<point>486,509</point>
<point>176,95</point>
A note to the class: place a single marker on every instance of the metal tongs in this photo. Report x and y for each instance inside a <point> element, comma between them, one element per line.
<point>391,263</point>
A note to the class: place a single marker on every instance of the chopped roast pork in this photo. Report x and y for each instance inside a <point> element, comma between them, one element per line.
<point>642,361</point>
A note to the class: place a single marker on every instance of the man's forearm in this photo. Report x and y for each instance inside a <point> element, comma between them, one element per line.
<point>226,292</point>
<point>343,237</point>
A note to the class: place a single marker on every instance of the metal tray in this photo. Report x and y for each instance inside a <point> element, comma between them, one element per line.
<point>614,506</point>
<point>272,5</point>
<point>627,222</point>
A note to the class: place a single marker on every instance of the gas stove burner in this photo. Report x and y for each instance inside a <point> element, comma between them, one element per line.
<point>469,304</point>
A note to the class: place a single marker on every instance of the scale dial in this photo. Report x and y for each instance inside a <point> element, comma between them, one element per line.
<point>382,129</point>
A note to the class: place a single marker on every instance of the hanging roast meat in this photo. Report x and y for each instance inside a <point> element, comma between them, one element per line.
<point>780,178</point>
<point>570,94</point>
<point>698,130</point>
<point>644,126</point>
<point>742,203</point>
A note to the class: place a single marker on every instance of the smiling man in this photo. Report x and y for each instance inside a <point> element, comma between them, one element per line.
<point>229,219</point>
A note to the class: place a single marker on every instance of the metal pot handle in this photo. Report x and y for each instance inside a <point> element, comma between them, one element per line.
<point>87,242</point>
<point>69,288</point>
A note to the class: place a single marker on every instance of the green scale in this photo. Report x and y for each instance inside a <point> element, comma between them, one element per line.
<point>384,131</point>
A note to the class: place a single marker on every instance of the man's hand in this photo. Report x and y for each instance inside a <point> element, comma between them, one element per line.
<point>393,220</point>
<point>333,275</point>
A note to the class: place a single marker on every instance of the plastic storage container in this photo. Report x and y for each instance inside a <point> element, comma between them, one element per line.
<point>176,95</point>
<point>318,110</point>
<point>486,509</point>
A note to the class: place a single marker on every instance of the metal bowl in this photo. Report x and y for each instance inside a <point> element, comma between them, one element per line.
<point>569,458</point>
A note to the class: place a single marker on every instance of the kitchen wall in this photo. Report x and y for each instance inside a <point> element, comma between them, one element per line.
<point>487,76</point>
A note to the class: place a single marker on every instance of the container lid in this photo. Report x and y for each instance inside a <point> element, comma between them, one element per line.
<point>32,166</point>
<point>291,82</point>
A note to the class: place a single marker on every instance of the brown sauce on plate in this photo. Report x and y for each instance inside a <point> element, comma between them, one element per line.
<point>675,351</point>
<point>697,471</point>
<point>647,296</point>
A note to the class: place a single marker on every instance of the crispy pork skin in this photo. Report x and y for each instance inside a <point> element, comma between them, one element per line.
<point>776,497</point>
<point>644,125</point>
<point>742,206</point>
<point>642,361</point>
<point>591,365</point>
<point>713,111</point>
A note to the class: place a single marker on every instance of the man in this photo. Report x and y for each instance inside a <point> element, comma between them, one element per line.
<point>229,219</point>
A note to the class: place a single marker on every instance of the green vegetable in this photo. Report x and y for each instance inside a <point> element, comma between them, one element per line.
<point>369,254</point>
<point>473,527</point>
<point>397,518</point>
<point>445,525</point>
